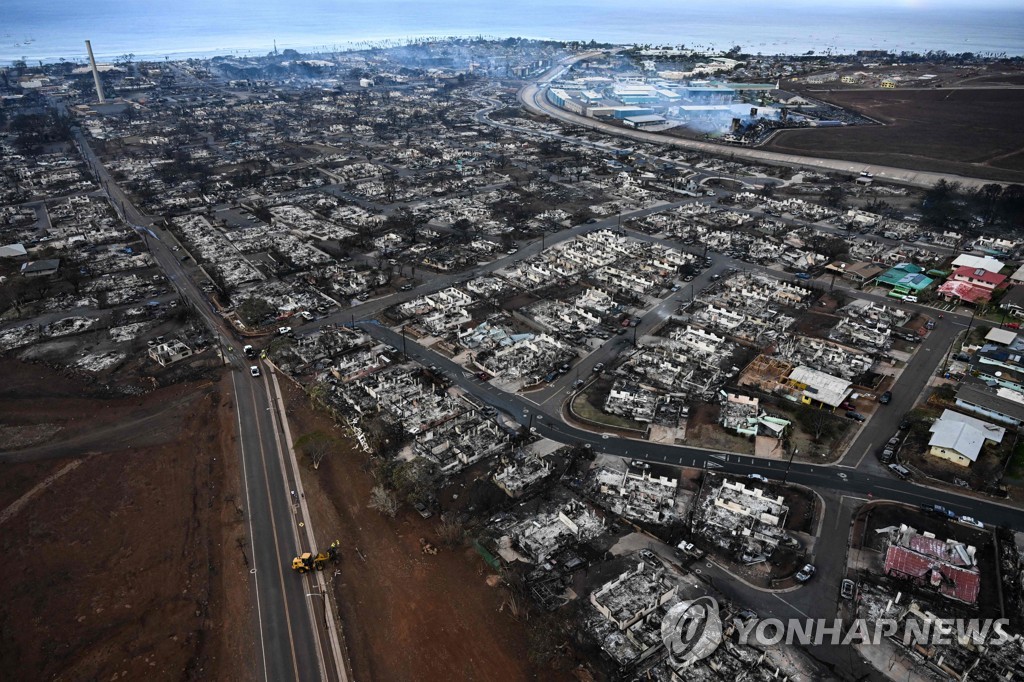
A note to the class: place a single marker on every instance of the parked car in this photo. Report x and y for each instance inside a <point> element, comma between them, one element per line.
<point>805,573</point>
<point>971,521</point>
<point>639,464</point>
<point>901,471</point>
<point>938,509</point>
<point>757,477</point>
<point>802,275</point>
<point>847,589</point>
<point>886,455</point>
<point>254,371</point>
<point>284,330</point>
<point>885,398</point>
<point>690,549</point>
<point>422,510</point>
<point>857,416</point>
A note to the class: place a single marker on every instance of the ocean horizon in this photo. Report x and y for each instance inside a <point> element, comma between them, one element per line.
<point>58,29</point>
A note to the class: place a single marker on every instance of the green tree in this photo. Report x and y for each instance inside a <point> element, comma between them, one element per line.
<point>254,311</point>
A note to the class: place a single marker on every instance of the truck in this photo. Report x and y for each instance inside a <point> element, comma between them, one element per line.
<point>310,561</point>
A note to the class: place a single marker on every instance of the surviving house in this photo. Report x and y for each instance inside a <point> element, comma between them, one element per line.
<point>959,438</point>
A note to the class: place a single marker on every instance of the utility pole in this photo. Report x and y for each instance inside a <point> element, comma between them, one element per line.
<point>785,476</point>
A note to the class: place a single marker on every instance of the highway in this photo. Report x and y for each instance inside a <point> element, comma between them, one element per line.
<point>291,642</point>
<point>532,97</point>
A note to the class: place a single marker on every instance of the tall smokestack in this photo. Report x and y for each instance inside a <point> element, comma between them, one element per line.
<point>95,73</point>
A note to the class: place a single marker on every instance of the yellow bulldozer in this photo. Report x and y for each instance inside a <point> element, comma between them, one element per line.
<point>308,561</point>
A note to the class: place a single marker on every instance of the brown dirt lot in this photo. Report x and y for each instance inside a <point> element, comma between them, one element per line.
<point>407,615</point>
<point>126,566</point>
<point>946,130</point>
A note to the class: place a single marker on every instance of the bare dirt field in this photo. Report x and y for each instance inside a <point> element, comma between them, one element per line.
<point>119,534</point>
<point>966,132</point>
<point>408,615</point>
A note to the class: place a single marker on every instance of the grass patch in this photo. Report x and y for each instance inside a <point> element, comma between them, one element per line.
<point>582,406</point>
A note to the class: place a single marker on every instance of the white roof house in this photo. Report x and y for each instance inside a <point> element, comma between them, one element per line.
<point>824,388</point>
<point>1003,337</point>
<point>13,251</point>
<point>978,262</point>
<point>963,434</point>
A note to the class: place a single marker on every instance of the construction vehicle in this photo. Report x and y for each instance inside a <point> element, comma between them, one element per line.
<point>308,561</point>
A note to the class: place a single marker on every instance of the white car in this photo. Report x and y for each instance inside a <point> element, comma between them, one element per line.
<point>971,521</point>
<point>805,573</point>
<point>758,477</point>
<point>254,371</point>
<point>284,330</point>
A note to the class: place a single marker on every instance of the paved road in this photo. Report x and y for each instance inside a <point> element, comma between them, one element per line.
<point>288,645</point>
<point>909,388</point>
<point>818,477</point>
<point>291,642</point>
<point>437,282</point>
<point>532,96</point>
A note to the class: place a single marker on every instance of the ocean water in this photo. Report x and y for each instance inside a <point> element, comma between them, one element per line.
<point>50,30</point>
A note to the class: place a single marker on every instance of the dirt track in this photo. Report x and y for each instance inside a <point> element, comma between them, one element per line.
<point>126,565</point>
